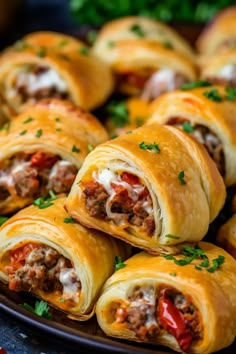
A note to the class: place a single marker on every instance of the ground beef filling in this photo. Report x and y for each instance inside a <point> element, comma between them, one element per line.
<point>32,175</point>
<point>207,138</point>
<point>36,267</point>
<point>120,204</point>
<point>144,315</point>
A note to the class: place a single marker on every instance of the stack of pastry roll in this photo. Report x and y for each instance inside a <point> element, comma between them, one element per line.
<point>207,114</point>
<point>44,252</point>
<point>149,188</point>
<point>42,149</point>
<point>217,47</point>
<point>147,57</point>
<point>46,65</point>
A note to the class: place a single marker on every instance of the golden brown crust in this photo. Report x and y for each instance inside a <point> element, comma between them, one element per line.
<point>192,105</point>
<point>62,125</point>
<point>226,237</point>
<point>177,208</point>
<point>89,81</point>
<point>213,294</point>
<point>91,252</point>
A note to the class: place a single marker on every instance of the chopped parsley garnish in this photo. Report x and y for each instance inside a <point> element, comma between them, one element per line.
<point>181,178</point>
<point>46,201</point>
<point>58,129</point>
<point>172,236</point>
<point>63,43</point>
<point>187,127</point>
<point>69,220</point>
<point>128,132</point>
<point>92,36</point>
<point>139,121</point>
<point>84,50</point>
<point>75,149</point>
<point>118,263</point>
<point>111,44</point>
<point>41,53</point>
<point>90,147</point>
<point>137,29</point>
<point>231,93</point>
<point>114,136</point>
<point>173,274</point>
<point>119,113</point>
<point>168,44</point>
<point>57,119</point>
<point>62,299</point>
<point>40,308</point>
<point>3,219</point>
<point>28,120</point>
<point>6,126</point>
<point>192,253</point>
<point>38,133</point>
<point>195,84</point>
<point>23,132</point>
<point>154,147</point>
<point>213,95</point>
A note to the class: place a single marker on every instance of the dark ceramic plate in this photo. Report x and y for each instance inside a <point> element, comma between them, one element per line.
<point>86,333</point>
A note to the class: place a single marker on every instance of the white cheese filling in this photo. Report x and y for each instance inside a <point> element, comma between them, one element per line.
<point>70,283</point>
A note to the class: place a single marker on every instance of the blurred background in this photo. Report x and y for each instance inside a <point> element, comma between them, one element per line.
<point>18,17</point>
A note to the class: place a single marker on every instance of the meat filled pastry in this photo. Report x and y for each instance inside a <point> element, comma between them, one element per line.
<point>42,149</point>
<point>46,65</point>
<point>226,236</point>
<point>146,57</point>
<point>44,252</point>
<point>207,114</point>
<point>126,115</point>
<point>186,302</point>
<point>220,34</point>
<point>149,188</point>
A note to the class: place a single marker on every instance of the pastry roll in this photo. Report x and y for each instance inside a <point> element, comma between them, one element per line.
<point>146,57</point>
<point>220,34</point>
<point>63,68</point>
<point>190,308</point>
<point>42,150</point>
<point>226,236</point>
<point>43,251</point>
<point>207,114</point>
<point>149,188</point>
<point>126,115</point>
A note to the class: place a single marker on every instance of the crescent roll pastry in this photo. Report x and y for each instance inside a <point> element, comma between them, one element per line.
<point>220,34</point>
<point>226,236</point>
<point>42,150</point>
<point>187,306</point>
<point>207,114</point>
<point>46,65</point>
<point>146,57</point>
<point>149,188</point>
<point>43,251</point>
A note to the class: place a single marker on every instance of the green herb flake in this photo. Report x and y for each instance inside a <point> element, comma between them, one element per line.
<point>119,113</point>
<point>172,236</point>
<point>195,84</point>
<point>52,195</point>
<point>28,120</point>
<point>69,220</point>
<point>118,263</point>
<point>6,126</point>
<point>75,149</point>
<point>84,51</point>
<point>113,136</point>
<point>213,95</point>
<point>38,133</point>
<point>197,267</point>
<point>63,43</point>
<point>41,309</point>
<point>231,93</point>
<point>216,263</point>
<point>58,129</point>
<point>57,119</point>
<point>90,147</point>
<point>62,299</point>
<point>45,201</point>
<point>139,121</point>
<point>153,147</point>
<point>23,132</point>
<point>41,53</point>
<point>167,44</point>
<point>137,30</point>
<point>111,44</point>
<point>181,176</point>
<point>3,219</point>
<point>173,274</point>
<point>187,127</point>
<point>128,132</point>
<point>92,36</point>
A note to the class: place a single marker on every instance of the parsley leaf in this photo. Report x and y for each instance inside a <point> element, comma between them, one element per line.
<point>119,113</point>
<point>46,201</point>
<point>90,147</point>
<point>28,120</point>
<point>6,126</point>
<point>3,219</point>
<point>69,220</point>
<point>118,263</point>
<point>153,146</point>
<point>173,274</point>
<point>168,44</point>
<point>216,263</point>
<point>41,53</point>
<point>231,93</point>
<point>181,178</point>
<point>23,132</point>
<point>92,36</point>
<point>213,95</point>
<point>41,309</point>
<point>187,127</point>
<point>63,43</point>
<point>195,84</point>
<point>172,236</point>
<point>84,51</point>
<point>111,44</point>
<point>137,29</point>
<point>38,133</point>
<point>75,149</point>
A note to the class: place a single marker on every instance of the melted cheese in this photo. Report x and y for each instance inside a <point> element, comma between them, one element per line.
<point>228,72</point>
<point>70,283</point>
<point>56,167</point>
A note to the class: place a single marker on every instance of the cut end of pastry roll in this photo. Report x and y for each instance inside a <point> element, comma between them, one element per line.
<point>42,150</point>
<point>43,251</point>
<point>188,308</point>
<point>226,237</point>
<point>220,34</point>
<point>149,188</point>
<point>66,69</point>
<point>207,115</point>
